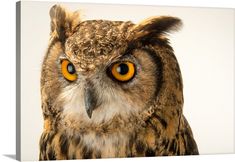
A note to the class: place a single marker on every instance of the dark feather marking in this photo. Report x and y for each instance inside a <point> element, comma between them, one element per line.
<point>51,154</point>
<point>149,152</point>
<point>140,147</point>
<point>165,154</point>
<point>178,151</point>
<point>190,145</point>
<point>162,121</point>
<point>165,143</point>
<point>86,153</point>
<point>77,140</point>
<point>184,142</point>
<point>51,136</point>
<point>173,146</point>
<point>41,156</point>
<point>45,141</point>
<point>132,140</point>
<point>74,157</point>
<point>178,144</point>
<point>154,126</point>
<point>64,144</point>
<point>130,145</point>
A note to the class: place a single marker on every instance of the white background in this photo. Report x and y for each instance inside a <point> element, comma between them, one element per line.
<point>211,117</point>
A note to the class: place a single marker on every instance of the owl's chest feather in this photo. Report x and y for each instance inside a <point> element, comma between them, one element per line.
<point>128,142</point>
<point>107,145</point>
<point>88,145</point>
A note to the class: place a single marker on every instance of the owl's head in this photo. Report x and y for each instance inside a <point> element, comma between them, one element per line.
<point>98,70</point>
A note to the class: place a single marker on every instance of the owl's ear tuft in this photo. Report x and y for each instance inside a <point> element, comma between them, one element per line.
<point>156,26</point>
<point>63,22</point>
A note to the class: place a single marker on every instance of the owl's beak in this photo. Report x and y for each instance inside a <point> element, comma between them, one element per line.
<point>90,100</point>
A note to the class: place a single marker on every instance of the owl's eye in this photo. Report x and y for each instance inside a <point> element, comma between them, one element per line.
<point>123,71</point>
<point>68,70</point>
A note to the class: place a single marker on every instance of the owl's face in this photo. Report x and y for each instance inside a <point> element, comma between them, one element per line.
<point>97,70</point>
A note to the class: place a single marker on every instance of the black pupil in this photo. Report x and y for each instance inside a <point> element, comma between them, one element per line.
<point>71,68</point>
<point>123,69</point>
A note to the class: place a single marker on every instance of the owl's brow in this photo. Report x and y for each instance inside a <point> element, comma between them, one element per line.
<point>126,56</point>
<point>131,46</point>
<point>63,57</point>
<point>119,57</point>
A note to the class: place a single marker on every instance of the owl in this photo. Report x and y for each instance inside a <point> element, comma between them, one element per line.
<point>112,89</point>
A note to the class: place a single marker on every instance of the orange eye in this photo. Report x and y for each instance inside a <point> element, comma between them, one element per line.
<point>68,70</point>
<point>123,71</point>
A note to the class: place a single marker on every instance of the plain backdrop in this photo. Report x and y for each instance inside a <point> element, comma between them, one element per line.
<point>204,48</point>
<point>8,83</point>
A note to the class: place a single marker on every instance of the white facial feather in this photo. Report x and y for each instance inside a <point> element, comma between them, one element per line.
<point>112,104</point>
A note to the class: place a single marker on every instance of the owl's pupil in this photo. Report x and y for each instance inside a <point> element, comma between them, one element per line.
<point>122,69</point>
<point>71,68</point>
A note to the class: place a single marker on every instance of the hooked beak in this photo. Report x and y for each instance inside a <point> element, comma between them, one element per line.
<point>90,100</point>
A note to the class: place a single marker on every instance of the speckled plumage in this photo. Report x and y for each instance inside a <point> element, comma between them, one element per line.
<point>143,117</point>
